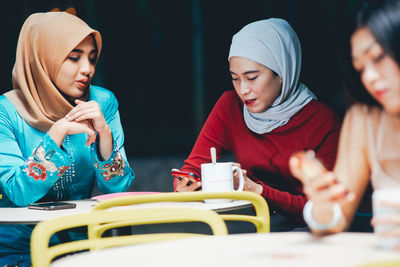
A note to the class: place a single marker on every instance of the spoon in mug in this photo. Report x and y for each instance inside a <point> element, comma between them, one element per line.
<point>213,155</point>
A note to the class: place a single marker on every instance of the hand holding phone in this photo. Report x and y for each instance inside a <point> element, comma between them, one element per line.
<point>305,166</point>
<point>178,174</point>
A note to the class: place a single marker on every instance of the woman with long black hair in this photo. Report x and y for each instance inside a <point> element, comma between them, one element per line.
<point>369,146</point>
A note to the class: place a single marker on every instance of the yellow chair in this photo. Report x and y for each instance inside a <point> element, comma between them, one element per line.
<point>392,263</point>
<point>42,254</point>
<point>261,219</point>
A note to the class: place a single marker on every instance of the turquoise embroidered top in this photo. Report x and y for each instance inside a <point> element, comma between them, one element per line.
<point>33,167</point>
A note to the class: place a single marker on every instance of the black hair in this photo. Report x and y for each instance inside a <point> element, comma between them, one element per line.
<point>382,19</point>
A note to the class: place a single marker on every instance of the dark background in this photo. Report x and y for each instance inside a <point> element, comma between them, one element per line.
<point>166,61</point>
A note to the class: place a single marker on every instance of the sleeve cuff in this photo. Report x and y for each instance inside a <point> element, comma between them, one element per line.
<point>112,167</point>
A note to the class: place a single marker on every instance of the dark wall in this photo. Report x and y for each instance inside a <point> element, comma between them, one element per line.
<point>166,61</point>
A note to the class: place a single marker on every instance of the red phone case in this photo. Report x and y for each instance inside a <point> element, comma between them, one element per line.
<point>178,174</point>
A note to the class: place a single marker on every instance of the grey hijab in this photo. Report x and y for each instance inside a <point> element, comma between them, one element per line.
<point>274,44</point>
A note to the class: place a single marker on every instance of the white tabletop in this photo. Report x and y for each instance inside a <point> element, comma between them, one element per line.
<point>24,215</point>
<point>274,249</point>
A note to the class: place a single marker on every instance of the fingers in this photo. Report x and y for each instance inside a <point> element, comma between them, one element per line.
<point>389,204</point>
<point>183,185</point>
<point>236,164</point>
<point>236,176</point>
<point>386,219</point>
<point>84,111</point>
<point>328,180</point>
<point>83,127</point>
<point>77,101</point>
<point>89,130</point>
<point>88,111</point>
<point>295,169</point>
<point>318,183</point>
<point>194,186</point>
<point>390,232</point>
<point>79,105</point>
<point>236,173</point>
<point>250,185</point>
<point>326,188</point>
<point>305,166</point>
<point>91,138</point>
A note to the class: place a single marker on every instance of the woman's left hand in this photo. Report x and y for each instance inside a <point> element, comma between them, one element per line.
<point>392,221</point>
<point>88,111</point>
<point>249,185</point>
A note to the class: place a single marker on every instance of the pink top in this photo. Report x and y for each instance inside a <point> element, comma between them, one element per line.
<point>384,147</point>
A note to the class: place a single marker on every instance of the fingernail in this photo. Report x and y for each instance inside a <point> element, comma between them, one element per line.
<point>294,161</point>
<point>310,153</point>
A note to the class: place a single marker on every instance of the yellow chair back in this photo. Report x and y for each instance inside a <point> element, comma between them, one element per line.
<point>393,263</point>
<point>42,254</point>
<point>261,220</point>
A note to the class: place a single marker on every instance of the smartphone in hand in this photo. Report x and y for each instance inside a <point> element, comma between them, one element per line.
<point>308,165</point>
<point>178,174</point>
<point>52,206</point>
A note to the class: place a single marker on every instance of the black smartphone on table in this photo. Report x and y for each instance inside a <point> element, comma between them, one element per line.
<point>52,206</point>
<point>178,174</point>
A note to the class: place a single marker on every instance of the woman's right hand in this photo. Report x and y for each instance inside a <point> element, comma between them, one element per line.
<point>319,185</point>
<point>326,189</point>
<point>182,185</point>
<point>388,225</point>
<point>322,188</point>
<point>63,127</point>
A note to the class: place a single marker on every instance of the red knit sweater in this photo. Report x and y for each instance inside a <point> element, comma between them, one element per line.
<point>266,156</point>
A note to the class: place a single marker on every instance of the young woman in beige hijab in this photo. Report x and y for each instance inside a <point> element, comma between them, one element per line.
<point>59,135</point>
<point>369,146</point>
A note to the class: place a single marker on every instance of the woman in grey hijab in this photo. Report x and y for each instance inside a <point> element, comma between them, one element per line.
<point>268,116</point>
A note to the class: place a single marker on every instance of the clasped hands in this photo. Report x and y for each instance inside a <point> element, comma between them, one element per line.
<point>85,117</point>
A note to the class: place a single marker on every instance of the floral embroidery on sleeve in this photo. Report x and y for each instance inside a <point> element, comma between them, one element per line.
<point>37,171</point>
<point>39,164</point>
<point>113,169</point>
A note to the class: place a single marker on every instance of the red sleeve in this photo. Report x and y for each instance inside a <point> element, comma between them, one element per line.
<point>322,129</point>
<point>328,133</point>
<point>289,203</point>
<point>213,134</point>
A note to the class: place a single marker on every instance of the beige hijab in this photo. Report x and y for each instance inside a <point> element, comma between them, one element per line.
<point>45,40</point>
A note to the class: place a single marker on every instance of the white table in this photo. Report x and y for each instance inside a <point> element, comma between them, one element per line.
<point>274,249</point>
<point>24,215</point>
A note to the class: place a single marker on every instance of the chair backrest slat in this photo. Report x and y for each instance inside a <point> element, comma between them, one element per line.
<point>42,254</point>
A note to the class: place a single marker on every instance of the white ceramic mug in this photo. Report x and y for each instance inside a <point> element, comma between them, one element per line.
<point>387,195</point>
<point>218,177</point>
